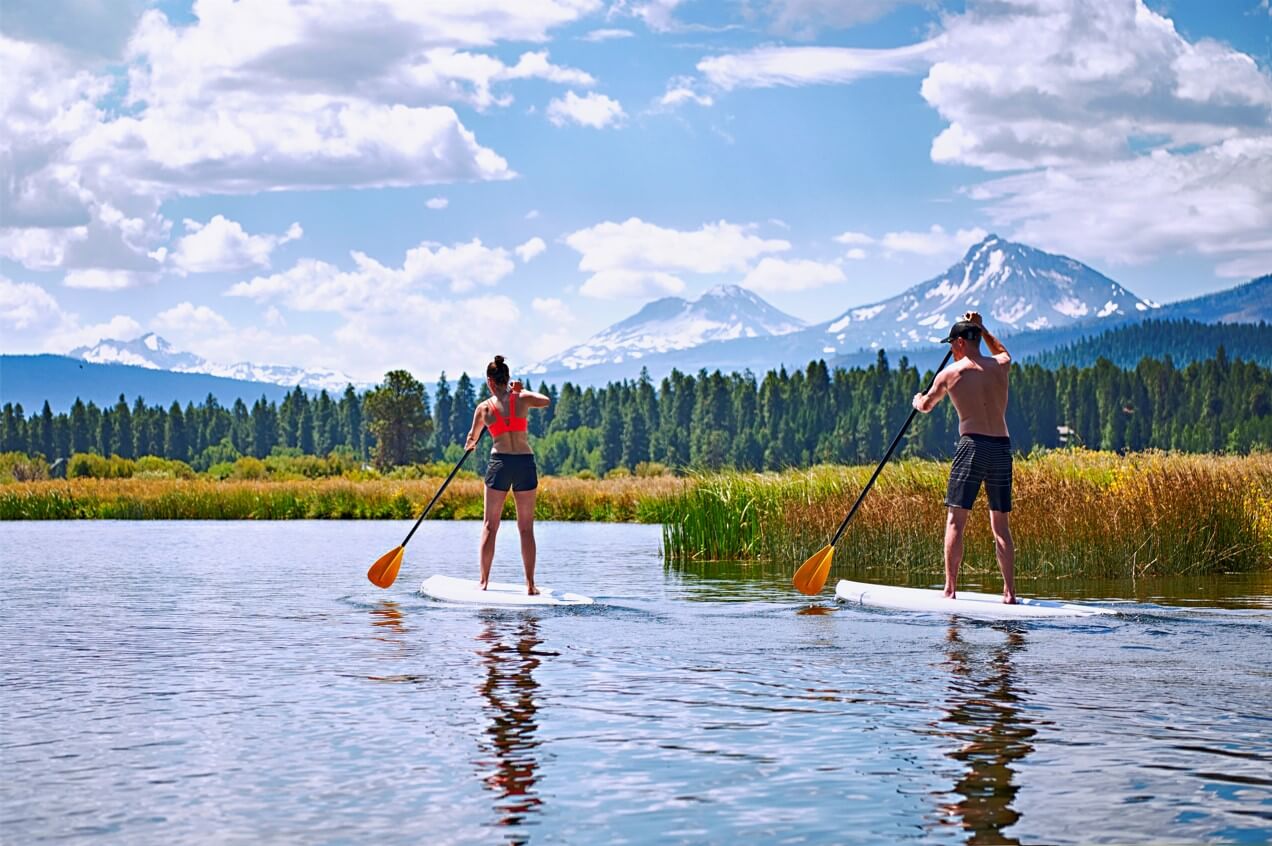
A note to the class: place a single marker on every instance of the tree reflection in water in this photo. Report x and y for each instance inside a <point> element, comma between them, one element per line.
<point>509,648</point>
<point>985,716</point>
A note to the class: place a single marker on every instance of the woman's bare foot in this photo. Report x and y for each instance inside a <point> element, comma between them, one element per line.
<point>1009,599</point>
<point>482,585</point>
<point>949,593</point>
<point>531,590</point>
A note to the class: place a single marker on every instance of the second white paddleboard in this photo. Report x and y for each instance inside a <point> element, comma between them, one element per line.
<point>967,604</point>
<point>451,589</point>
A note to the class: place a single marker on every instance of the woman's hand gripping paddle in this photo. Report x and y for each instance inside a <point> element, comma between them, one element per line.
<point>810,578</point>
<point>385,569</point>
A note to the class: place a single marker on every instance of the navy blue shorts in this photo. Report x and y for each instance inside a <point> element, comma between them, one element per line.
<point>981,458</point>
<point>514,471</point>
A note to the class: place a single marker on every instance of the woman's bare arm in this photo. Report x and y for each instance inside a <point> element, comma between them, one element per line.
<point>533,399</point>
<point>479,423</point>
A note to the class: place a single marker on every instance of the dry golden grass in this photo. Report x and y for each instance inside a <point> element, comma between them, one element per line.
<point>1073,512</point>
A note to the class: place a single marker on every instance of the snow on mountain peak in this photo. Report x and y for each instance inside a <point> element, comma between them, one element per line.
<point>154,353</point>
<point>1016,287</point>
<point>724,312</point>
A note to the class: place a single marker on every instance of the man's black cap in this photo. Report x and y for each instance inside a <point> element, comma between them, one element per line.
<point>963,329</point>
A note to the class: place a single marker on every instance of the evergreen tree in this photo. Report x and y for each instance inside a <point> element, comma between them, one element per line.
<point>123,443</point>
<point>398,416</point>
<point>175,444</point>
<point>45,430</point>
<point>463,406</point>
<point>81,438</point>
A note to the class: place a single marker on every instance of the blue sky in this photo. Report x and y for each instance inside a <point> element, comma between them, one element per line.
<point>361,187</point>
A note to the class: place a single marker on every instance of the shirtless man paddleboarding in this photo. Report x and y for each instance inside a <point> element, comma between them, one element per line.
<point>977,385</point>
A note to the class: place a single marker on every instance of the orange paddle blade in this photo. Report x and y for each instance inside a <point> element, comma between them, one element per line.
<point>810,578</point>
<point>385,569</point>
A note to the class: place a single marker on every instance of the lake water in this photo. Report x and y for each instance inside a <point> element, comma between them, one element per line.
<point>244,683</point>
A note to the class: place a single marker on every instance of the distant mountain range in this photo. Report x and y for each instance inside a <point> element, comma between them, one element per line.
<point>59,379</point>
<point>724,313</point>
<point>154,353</point>
<point>1038,300</point>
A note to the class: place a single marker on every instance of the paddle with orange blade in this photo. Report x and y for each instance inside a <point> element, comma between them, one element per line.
<point>810,578</point>
<point>385,569</point>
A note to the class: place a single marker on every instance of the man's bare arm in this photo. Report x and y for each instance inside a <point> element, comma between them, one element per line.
<point>996,347</point>
<point>927,402</point>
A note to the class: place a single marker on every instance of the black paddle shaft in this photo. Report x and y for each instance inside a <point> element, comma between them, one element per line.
<point>467,453</point>
<point>888,454</point>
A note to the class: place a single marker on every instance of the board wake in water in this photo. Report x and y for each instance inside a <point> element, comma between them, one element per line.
<point>451,589</point>
<point>967,604</point>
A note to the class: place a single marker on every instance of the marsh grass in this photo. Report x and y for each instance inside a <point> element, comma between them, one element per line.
<point>1076,512</point>
<point>1094,514</point>
<point>619,500</point>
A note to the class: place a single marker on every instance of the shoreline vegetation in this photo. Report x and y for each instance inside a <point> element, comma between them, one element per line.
<point>1077,512</point>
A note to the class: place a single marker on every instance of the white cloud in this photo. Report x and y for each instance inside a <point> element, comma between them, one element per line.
<point>658,15</point>
<point>186,317</point>
<point>607,34</point>
<point>856,254</point>
<point>553,309</point>
<point>312,285</point>
<point>683,89</point>
<point>437,203</point>
<point>101,279</point>
<point>637,245</point>
<point>26,306</point>
<point>594,110</point>
<point>1216,202</point>
<point>630,284</point>
<point>774,275</point>
<point>34,322</point>
<point>222,244</point>
<point>533,214</point>
<point>767,67</point>
<point>243,98</point>
<point>849,238</point>
<point>934,242</point>
<point>530,249</point>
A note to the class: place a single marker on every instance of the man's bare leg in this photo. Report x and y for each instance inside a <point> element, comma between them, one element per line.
<point>489,528</point>
<point>954,525</point>
<point>525,526</point>
<point>1005,549</point>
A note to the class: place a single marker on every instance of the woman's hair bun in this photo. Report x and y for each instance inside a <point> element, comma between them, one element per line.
<point>499,359</point>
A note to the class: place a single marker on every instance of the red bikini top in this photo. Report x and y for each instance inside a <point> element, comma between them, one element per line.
<point>511,423</point>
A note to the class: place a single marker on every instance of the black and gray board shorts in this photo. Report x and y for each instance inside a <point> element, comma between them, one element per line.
<point>514,471</point>
<point>977,459</point>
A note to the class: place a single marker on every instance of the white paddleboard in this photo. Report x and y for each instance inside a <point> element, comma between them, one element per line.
<point>451,589</point>
<point>986,606</point>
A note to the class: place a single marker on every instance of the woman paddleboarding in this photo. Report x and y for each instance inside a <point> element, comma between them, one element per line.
<point>511,465</point>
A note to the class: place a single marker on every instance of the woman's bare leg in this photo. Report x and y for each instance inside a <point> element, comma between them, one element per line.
<point>525,526</point>
<point>489,528</point>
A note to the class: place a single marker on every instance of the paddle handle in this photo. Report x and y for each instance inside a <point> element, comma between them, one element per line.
<point>888,454</point>
<point>437,495</point>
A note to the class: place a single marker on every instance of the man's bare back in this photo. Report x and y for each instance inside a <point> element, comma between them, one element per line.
<point>978,389</point>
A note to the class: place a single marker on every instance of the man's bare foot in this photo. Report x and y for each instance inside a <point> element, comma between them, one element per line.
<point>531,590</point>
<point>1009,599</point>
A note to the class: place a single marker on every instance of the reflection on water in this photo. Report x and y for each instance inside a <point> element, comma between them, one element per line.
<point>509,650</point>
<point>985,717</point>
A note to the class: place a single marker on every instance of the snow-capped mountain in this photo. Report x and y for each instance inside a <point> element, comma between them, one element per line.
<point>726,312</point>
<point>153,352</point>
<point>1016,288</point>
